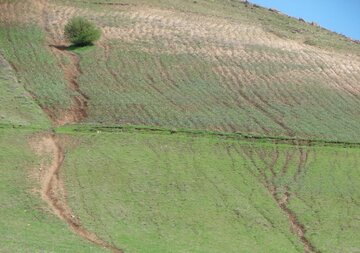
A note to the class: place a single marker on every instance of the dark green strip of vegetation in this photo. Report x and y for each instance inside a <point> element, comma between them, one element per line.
<point>78,128</point>
<point>204,133</point>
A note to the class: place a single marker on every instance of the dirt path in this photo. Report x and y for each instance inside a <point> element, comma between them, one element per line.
<point>53,191</point>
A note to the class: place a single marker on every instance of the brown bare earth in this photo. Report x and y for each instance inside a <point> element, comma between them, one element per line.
<point>52,188</point>
<point>296,227</point>
<point>258,74</point>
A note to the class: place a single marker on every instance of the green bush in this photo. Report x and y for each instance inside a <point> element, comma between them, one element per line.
<point>81,32</point>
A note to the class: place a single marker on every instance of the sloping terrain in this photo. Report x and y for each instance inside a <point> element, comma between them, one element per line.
<point>17,106</point>
<point>27,224</point>
<point>173,124</point>
<point>153,192</point>
<point>160,64</point>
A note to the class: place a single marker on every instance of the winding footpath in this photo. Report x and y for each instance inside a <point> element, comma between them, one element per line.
<point>53,193</point>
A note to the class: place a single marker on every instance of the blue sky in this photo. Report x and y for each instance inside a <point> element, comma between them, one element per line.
<point>342,16</point>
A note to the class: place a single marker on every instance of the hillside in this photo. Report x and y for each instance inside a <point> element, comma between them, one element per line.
<point>191,126</point>
<point>166,193</point>
<point>17,106</point>
<point>212,68</point>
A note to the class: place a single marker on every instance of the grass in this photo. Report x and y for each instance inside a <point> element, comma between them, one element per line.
<point>36,67</point>
<point>328,200</point>
<point>152,192</point>
<point>147,192</point>
<point>91,128</point>
<point>17,107</point>
<point>26,223</point>
<point>163,69</point>
<point>180,150</point>
<point>183,91</point>
<point>164,194</point>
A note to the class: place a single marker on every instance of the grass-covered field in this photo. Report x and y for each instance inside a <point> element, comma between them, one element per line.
<point>25,47</point>
<point>26,223</point>
<point>175,193</point>
<point>162,192</point>
<point>17,106</point>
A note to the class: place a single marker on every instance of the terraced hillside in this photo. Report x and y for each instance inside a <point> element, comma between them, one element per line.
<point>191,126</point>
<point>223,66</point>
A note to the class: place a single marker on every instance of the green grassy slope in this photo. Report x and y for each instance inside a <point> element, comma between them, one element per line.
<point>323,183</point>
<point>206,65</point>
<point>327,198</point>
<point>174,193</point>
<point>17,106</point>
<point>161,66</point>
<point>183,91</point>
<point>26,224</point>
<point>37,68</point>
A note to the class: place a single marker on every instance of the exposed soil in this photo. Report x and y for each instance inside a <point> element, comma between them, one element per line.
<point>53,191</point>
<point>231,46</point>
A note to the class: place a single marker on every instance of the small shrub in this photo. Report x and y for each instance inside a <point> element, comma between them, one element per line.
<point>81,32</point>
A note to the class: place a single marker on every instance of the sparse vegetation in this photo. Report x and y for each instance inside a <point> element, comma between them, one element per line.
<point>81,32</point>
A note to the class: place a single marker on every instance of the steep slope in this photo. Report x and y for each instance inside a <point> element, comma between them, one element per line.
<point>175,69</point>
<point>53,192</point>
<point>211,68</point>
